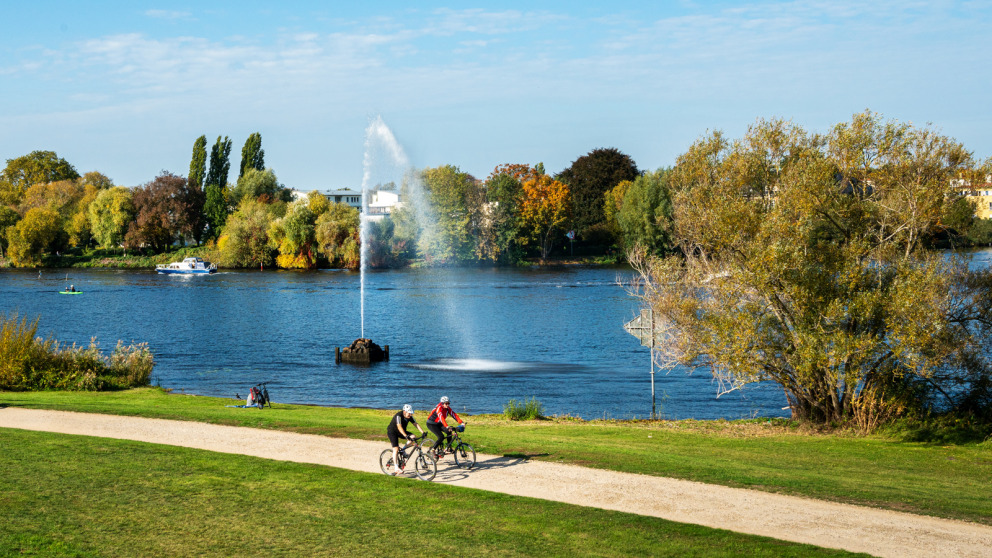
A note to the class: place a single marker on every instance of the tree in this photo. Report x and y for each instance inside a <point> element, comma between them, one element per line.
<point>545,207</point>
<point>162,213</point>
<point>252,155</point>
<point>645,213</point>
<point>337,235</point>
<point>445,238</point>
<point>804,261</point>
<point>589,178</point>
<point>110,214</point>
<point>245,242</point>
<point>32,237</point>
<point>294,235</point>
<point>198,164</point>
<point>8,218</point>
<point>97,180</point>
<point>33,168</point>
<point>259,184</point>
<point>494,211</point>
<point>220,162</point>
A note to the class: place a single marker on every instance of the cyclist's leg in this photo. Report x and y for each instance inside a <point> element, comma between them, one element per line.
<point>435,428</point>
<point>394,440</point>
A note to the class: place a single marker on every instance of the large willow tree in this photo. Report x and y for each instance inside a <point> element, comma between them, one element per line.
<point>805,260</point>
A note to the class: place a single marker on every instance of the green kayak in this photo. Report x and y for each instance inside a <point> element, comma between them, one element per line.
<point>70,292</point>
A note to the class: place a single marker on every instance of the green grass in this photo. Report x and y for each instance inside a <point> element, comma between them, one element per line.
<point>942,480</point>
<point>66,495</point>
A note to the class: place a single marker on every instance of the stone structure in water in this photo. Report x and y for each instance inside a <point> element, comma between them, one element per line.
<point>361,351</point>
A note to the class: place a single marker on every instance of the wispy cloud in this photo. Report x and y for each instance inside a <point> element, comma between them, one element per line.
<point>168,14</point>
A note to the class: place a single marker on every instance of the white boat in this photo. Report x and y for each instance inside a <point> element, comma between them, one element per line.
<point>189,266</point>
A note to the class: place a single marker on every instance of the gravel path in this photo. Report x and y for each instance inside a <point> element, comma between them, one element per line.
<point>854,528</point>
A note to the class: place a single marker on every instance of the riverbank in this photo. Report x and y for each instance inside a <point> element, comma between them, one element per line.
<point>842,526</point>
<point>946,480</point>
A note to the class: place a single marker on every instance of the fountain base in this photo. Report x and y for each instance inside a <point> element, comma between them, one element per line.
<point>361,351</point>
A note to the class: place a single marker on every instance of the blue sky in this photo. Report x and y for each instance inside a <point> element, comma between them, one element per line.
<point>125,88</point>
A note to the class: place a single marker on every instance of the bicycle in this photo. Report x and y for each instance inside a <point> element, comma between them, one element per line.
<point>424,464</point>
<point>259,395</point>
<point>464,452</point>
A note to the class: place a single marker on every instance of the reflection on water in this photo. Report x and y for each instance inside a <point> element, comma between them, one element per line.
<point>480,336</point>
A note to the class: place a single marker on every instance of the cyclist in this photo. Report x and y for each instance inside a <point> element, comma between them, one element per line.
<point>438,418</point>
<point>397,429</point>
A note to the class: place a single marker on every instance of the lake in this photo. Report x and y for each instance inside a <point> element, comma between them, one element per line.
<point>480,336</point>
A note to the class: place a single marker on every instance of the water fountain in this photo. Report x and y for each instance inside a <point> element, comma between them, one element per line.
<point>382,153</point>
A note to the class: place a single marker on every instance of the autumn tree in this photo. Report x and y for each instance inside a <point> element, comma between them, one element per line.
<point>32,237</point>
<point>337,235</point>
<point>589,178</point>
<point>545,207</point>
<point>295,237</point>
<point>36,167</point>
<point>8,218</point>
<point>252,155</point>
<point>109,214</point>
<point>245,242</point>
<point>162,213</point>
<point>804,260</point>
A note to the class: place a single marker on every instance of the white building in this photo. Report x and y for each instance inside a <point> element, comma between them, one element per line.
<point>382,202</point>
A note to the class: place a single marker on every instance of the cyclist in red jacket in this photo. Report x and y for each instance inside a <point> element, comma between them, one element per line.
<point>438,419</point>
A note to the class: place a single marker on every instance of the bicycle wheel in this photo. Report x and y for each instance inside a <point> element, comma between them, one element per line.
<point>425,466</point>
<point>386,461</point>
<point>465,456</point>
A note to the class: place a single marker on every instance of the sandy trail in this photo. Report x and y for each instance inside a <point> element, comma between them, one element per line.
<point>854,528</point>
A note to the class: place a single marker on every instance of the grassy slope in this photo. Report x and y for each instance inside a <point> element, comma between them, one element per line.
<point>946,481</point>
<point>80,496</point>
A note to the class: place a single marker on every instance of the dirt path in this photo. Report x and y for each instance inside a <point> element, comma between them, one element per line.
<point>878,532</point>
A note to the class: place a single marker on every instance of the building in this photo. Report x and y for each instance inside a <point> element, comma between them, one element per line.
<point>980,195</point>
<point>381,202</point>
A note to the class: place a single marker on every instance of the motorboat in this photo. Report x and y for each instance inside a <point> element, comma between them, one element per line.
<point>189,266</point>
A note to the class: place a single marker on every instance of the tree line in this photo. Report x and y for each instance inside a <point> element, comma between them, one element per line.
<point>600,206</point>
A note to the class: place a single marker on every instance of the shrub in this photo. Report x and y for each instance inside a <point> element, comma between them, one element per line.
<point>523,410</point>
<point>28,362</point>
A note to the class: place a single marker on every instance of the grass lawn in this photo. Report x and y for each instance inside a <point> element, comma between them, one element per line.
<point>942,480</point>
<point>66,495</point>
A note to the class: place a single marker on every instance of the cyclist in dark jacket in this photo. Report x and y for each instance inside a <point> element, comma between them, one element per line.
<point>398,429</point>
<point>438,419</point>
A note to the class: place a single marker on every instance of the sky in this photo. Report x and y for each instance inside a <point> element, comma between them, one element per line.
<point>125,88</point>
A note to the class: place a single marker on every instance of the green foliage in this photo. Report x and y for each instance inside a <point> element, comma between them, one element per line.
<point>645,214</point>
<point>445,239</point>
<point>220,162</point>
<point>29,363</point>
<point>805,261</point>
<point>198,163</point>
<point>589,178</point>
<point>34,168</point>
<point>495,217</point>
<point>981,232</point>
<point>531,409</point>
<point>215,209</point>
<point>110,214</point>
<point>258,184</point>
<point>337,235</point>
<point>245,242</point>
<point>252,155</point>
<point>8,218</point>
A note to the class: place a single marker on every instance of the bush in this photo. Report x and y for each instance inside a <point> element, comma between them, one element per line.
<point>28,362</point>
<point>523,410</point>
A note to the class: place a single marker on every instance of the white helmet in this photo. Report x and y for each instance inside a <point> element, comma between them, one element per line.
<point>408,409</point>
<point>444,399</point>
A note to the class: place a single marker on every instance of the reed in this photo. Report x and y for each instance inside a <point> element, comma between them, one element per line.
<point>523,410</point>
<point>28,362</point>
